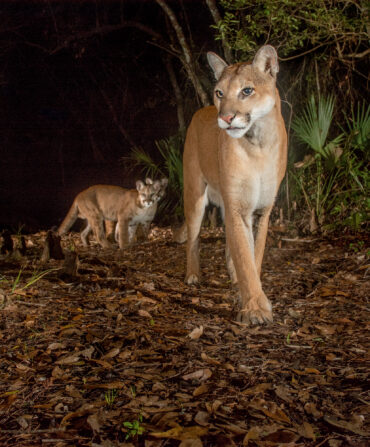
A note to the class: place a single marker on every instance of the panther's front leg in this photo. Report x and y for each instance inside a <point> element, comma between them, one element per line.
<point>255,307</point>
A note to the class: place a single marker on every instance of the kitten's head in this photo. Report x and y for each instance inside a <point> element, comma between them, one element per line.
<point>160,188</point>
<point>146,194</point>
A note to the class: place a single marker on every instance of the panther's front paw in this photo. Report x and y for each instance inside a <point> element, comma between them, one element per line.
<point>192,278</point>
<point>256,311</point>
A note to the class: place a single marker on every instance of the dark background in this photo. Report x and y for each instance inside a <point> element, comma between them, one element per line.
<point>81,83</point>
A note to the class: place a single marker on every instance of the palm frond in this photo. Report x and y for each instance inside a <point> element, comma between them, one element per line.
<point>359,126</point>
<point>143,160</point>
<point>312,127</point>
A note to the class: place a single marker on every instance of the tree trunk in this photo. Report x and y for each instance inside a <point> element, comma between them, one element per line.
<point>177,91</point>
<point>187,60</point>
<point>217,18</point>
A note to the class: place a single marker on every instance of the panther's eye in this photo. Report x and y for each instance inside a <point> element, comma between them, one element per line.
<point>247,91</point>
<point>219,94</point>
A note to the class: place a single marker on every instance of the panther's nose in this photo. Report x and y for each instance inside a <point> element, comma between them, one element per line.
<point>227,118</point>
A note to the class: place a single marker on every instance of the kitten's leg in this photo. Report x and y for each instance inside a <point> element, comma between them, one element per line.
<point>122,233</point>
<point>110,228</point>
<point>85,235</point>
<point>97,224</point>
<point>146,229</point>
<point>131,233</point>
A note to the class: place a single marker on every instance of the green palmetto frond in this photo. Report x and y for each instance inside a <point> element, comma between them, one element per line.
<point>145,162</point>
<point>172,157</point>
<point>359,126</point>
<point>312,127</point>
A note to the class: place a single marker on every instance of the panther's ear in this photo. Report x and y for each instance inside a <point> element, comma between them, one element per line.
<point>266,60</point>
<point>139,185</point>
<point>164,182</point>
<point>217,64</point>
<point>148,181</point>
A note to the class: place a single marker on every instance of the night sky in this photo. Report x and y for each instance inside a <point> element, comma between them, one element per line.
<point>80,84</point>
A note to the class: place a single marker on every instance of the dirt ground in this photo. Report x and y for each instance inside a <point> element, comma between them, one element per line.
<point>126,354</point>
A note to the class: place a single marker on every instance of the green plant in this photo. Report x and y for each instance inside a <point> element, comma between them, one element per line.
<point>170,166</point>
<point>334,178</point>
<point>17,280</point>
<point>134,428</point>
<point>110,397</point>
<point>36,276</point>
<point>359,127</point>
<point>284,23</point>
<point>312,127</point>
<point>357,246</point>
<point>133,390</point>
<point>288,337</point>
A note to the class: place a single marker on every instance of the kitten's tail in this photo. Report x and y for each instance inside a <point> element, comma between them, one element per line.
<point>69,220</point>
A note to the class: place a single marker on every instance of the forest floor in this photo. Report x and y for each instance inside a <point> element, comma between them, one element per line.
<point>126,354</point>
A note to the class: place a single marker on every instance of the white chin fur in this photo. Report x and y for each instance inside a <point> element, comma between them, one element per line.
<point>222,124</point>
<point>237,132</point>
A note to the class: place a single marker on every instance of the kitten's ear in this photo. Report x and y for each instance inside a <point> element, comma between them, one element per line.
<point>266,60</point>
<point>148,181</point>
<point>139,185</point>
<point>157,185</point>
<point>164,182</point>
<point>217,64</point>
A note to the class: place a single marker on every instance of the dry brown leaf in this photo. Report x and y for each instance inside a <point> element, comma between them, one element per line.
<point>196,333</point>
<point>281,437</point>
<point>277,414</point>
<point>200,374</point>
<point>310,408</point>
<point>284,393</point>
<point>22,421</point>
<point>94,421</point>
<point>202,389</point>
<point>202,418</point>
<point>106,386</point>
<point>56,345</point>
<point>260,388</point>
<point>112,353</point>
<point>182,433</point>
<point>69,359</point>
<point>210,360</point>
<point>234,428</point>
<point>326,330</point>
<point>252,435</point>
<point>191,443</point>
<point>58,373</point>
<point>102,363</point>
<point>144,313</point>
<point>84,409</point>
<point>306,371</point>
<point>330,357</point>
<point>73,391</point>
<point>345,425</point>
<point>307,431</point>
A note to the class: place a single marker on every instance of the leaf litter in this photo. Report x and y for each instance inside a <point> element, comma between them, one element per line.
<point>126,354</point>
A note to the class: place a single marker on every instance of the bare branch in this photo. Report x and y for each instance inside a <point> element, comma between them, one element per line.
<point>187,61</point>
<point>98,31</point>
